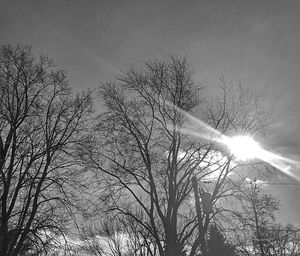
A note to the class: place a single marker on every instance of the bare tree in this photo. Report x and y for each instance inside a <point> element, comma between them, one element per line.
<point>144,151</point>
<point>40,125</point>
<point>253,227</point>
<point>282,240</point>
<point>117,237</point>
<point>253,218</point>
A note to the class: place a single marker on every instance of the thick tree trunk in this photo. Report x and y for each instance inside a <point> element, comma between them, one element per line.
<point>172,246</point>
<point>4,240</point>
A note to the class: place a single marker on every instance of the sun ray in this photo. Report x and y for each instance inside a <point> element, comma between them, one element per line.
<point>192,126</point>
<point>195,122</point>
<point>187,131</point>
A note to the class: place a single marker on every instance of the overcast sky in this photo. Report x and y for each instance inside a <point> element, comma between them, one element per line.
<point>256,42</point>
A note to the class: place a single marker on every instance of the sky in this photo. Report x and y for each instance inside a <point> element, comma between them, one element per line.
<point>256,42</point>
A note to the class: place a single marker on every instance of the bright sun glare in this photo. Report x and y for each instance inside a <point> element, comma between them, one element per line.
<point>243,147</point>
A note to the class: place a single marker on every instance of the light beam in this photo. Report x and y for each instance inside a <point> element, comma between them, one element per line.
<point>242,147</point>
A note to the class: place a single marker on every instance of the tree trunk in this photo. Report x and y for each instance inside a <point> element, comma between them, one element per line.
<point>172,246</point>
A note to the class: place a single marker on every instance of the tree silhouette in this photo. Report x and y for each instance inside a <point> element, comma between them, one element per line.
<point>40,125</point>
<point>254,217</point>
<point>147,159</point>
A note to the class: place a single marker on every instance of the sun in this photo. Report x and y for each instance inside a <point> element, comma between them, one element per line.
<point>243,147</point>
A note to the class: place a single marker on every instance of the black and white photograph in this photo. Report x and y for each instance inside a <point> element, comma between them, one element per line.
<point>149,127</point>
